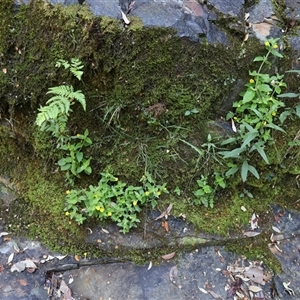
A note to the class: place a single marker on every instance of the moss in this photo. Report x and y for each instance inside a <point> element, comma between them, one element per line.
<point>138,82</point>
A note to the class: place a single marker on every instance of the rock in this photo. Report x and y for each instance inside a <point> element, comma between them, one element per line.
<point>105,8</point>
<point>228,7</point>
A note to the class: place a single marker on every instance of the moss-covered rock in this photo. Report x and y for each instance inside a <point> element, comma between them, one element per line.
<point>139,85</point>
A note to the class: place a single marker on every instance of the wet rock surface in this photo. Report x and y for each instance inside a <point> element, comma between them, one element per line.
<point>28,270</point>
<point>209,21</point>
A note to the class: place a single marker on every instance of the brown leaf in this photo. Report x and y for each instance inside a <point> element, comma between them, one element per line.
<point>165,225</point>
<point>168,256</point>
<point>166,213</point>
<point>77,257</point>
<point>65,290</point>
<point>1,268</point>
<point>23,282</point>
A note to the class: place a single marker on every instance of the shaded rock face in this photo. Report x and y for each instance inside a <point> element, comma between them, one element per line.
<point>210,21</point>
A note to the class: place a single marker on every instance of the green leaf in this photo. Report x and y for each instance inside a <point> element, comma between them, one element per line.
<point>231,171</point>
<point>298,110</point>
<point>250,136</point>
<point>244,170</point>
<point>264,88</point>
<point>259,148</point>
<point>79,156</point>
<point>235,153</point>
<point>259,58</point>
<point>276,53</point>
<point>271,125</point>
<point>288,95</point>
<point>253,171</point>
<point>248,96</point>
<point>200,152</point>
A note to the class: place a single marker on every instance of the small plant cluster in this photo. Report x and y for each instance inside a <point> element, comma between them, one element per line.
<point>75,162</point>
<point>113,199</point>
<point>256,114</point>
<point>54,116</point>
<point>206,192</point>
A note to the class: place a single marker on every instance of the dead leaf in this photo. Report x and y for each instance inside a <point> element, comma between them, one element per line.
<point>173,273</point>
<point>214,295</point>
<point>3,233</point>
<point>10,258</point>
<point>166,213</point>
<point>1,268</point>
<point>234,287</point>
<point>165,225</point>
<point>60,257</point>
<point>22,265</point>
<point>257,274</point>
<point>233,126</point>
<point>77,257</point>
<point>168,256</point>
<point>125,19</point>
<point>4,70</point>
<point>202,290</point>
<point>276,229</point>
<point>243,208</point>
<point>253,222</point>
<point>23,282</point>
<point>251,233</point>
<point>65,290</point>
<point>105,231</point>
<point>254,288</point>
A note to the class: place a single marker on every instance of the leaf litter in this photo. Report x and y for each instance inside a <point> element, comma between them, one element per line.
<point>246,282</point>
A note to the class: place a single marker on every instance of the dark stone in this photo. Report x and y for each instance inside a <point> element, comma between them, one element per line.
<point>228,7</point>
<point>263,9</point>
<point>105,8</point>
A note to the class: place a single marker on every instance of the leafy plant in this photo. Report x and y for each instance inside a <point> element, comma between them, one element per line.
<point>256,115</point>
<point>75,66</point>
<point>259,105</point>
<point>205,193</point>
<point>54,116</point>
<point>75,162</point>
<point>113,199</point>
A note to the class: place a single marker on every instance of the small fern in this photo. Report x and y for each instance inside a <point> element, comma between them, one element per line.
<point>54,116</point>
<point>60,103</point>
<point>75,67</point>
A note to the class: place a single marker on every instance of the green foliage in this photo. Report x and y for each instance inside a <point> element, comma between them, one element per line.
<point>256,115</point>
<point>113,199</point>
<point>259,106</point>
<point>75,66</point>
<point>205,193</point>
<point>54,116</point>
<point>75,162</point>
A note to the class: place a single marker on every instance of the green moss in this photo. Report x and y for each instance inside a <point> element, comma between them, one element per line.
<point>138,82</point>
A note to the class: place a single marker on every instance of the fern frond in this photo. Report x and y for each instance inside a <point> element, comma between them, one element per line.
<point>79,96</point>
<point>76,66</point>
<point>62,90</point>
<point>61,106</point>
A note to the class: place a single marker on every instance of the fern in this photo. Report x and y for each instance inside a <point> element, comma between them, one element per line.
<point>75,66</point>
<point>60,104</point>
